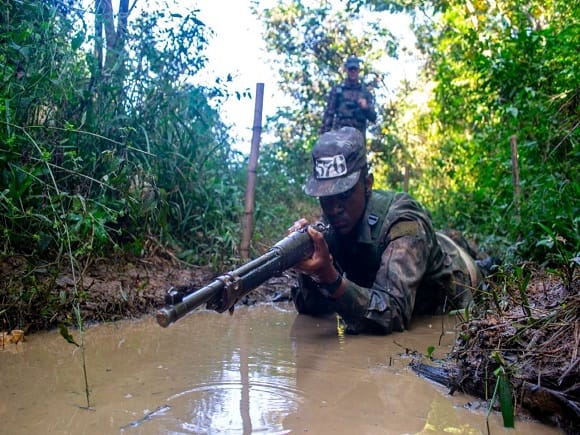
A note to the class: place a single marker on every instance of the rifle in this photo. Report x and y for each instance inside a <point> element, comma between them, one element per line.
<point>222,293</point>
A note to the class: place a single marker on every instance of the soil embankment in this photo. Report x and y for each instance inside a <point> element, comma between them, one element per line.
<point>532,338</point>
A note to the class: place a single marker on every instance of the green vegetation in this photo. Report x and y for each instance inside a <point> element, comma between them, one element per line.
<point>110,147</point>
<point>494,72</point>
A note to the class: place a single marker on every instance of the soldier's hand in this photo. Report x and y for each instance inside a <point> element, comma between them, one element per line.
<point>298,225</point>
<point>363,103</point>
<point>319,265</point>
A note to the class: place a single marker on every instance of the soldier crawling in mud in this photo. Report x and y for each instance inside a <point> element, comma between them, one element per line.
<point>383,262</point>
<point>349,103</point>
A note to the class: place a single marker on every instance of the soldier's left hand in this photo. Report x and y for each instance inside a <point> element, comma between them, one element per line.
<point>319,265</point>
<point>363,103</point>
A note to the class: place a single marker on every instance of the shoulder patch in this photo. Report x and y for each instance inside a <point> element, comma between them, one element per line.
<point>404,228</point>
<point>372,219</point>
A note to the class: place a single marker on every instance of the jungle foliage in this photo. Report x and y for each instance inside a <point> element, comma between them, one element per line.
<point>110,145</point>
<point>494,74</point>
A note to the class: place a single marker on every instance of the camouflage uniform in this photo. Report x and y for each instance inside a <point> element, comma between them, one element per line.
<point>397,267</point>
<point>343,109</point>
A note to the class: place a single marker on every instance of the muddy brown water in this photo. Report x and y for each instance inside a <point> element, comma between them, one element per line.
<point>263,370</point>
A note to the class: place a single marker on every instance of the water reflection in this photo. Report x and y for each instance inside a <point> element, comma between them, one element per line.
<point>251,387</point>
<point>264,370</point>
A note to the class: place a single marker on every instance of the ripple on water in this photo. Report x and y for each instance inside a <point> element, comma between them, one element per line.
<point>225,407</point>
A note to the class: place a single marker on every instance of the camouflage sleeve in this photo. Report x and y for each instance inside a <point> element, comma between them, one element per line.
<point>388,305</point>
<point>308,300</point>
<point>329,111</point>
<point>370,112</point>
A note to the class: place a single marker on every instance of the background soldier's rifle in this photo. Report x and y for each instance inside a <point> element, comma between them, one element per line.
<point>222,293</point>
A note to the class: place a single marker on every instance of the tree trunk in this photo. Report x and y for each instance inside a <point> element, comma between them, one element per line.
<point>115,39</point>
<point>108,75</point>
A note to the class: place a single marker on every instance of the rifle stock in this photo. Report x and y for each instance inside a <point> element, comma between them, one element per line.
<point>182,300</point>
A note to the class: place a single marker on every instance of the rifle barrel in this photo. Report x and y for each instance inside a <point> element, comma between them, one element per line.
<point>167,315</point>
<point>282,256</point>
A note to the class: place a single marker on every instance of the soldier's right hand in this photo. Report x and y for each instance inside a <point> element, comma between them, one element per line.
<point>319,266</point>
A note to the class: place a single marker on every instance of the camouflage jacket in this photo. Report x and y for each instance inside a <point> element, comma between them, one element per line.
<point>397,266</point>
<point>343,109</point>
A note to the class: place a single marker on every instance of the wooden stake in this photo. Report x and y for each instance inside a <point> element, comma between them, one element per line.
<point>515,174</point>
<point>251,177</point>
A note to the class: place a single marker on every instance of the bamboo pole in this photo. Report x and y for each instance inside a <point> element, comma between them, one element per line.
<point>251,177</point>
<point>515,174</point>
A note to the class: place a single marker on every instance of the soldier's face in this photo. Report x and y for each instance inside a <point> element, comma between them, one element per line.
<point>344,210</point>
<point>352,73</point>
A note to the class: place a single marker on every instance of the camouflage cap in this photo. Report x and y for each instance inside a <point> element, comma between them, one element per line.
<point>338,157</point>
<point>352,62</point>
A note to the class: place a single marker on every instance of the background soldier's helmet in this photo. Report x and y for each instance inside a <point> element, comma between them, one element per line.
<point>352,62</point>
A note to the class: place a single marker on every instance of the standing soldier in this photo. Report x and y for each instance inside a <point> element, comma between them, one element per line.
<point>349,104</point>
